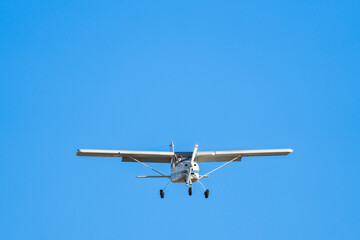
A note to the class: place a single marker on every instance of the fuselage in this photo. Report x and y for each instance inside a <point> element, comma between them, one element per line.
<point>180,171</point>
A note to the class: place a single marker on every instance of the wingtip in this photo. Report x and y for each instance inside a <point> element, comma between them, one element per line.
<point>77,153</point>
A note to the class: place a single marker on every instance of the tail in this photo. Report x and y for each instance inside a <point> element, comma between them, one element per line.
<point>172,147</point>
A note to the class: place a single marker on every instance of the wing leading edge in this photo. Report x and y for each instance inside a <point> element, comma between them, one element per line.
<point>165,157</point>
<point>224,156</point>
<point>143,156</point>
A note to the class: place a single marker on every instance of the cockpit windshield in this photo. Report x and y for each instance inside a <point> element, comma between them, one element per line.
<point>182,157</point>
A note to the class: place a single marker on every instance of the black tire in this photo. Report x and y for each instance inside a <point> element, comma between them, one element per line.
<point>162,194</point>
<point>190,191</point>
<point>206,193</point>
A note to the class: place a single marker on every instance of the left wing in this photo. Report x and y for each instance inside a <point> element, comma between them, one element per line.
<point>224,156</point>
<point>143,156</point>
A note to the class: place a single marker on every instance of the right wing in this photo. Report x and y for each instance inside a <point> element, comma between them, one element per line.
<point>224,156</point>
<point>142,156</point>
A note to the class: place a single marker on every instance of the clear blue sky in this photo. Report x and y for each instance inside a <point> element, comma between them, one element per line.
<point>135,74</point>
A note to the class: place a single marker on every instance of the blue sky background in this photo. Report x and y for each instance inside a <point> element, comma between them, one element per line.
<point>135,74</point>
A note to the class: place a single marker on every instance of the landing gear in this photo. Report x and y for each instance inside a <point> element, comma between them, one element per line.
<point>190,191</point>
<point>162,194</point>
<point>206,193</point>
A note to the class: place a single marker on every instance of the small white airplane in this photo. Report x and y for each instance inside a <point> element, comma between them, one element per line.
<point>184,165</point>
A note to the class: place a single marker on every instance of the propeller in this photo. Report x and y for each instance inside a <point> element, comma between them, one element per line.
<point>194,155</point>
<point>188,178</point>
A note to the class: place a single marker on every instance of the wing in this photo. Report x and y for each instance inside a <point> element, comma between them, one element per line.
<point>224,156</point>
<point>143,156</point>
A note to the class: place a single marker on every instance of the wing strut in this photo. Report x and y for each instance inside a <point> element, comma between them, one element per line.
<point>149,167</point>
<point>220,166</point>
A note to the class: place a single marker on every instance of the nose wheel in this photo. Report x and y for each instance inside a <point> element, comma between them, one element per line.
<point>190,191</point>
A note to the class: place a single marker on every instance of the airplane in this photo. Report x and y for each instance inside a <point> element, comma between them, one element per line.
<point>184,165</point>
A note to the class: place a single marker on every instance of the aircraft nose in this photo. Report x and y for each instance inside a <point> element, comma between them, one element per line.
<point>194,177</point>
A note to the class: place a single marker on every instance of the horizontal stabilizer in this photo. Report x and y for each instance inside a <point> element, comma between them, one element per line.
<point>153,176</point>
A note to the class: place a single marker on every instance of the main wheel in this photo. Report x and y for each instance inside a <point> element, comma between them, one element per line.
<point>162,194</point>
<point>206,193</point>
<point>190,191</point>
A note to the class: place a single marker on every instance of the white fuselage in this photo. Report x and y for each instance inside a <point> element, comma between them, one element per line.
<point>180,171</point>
